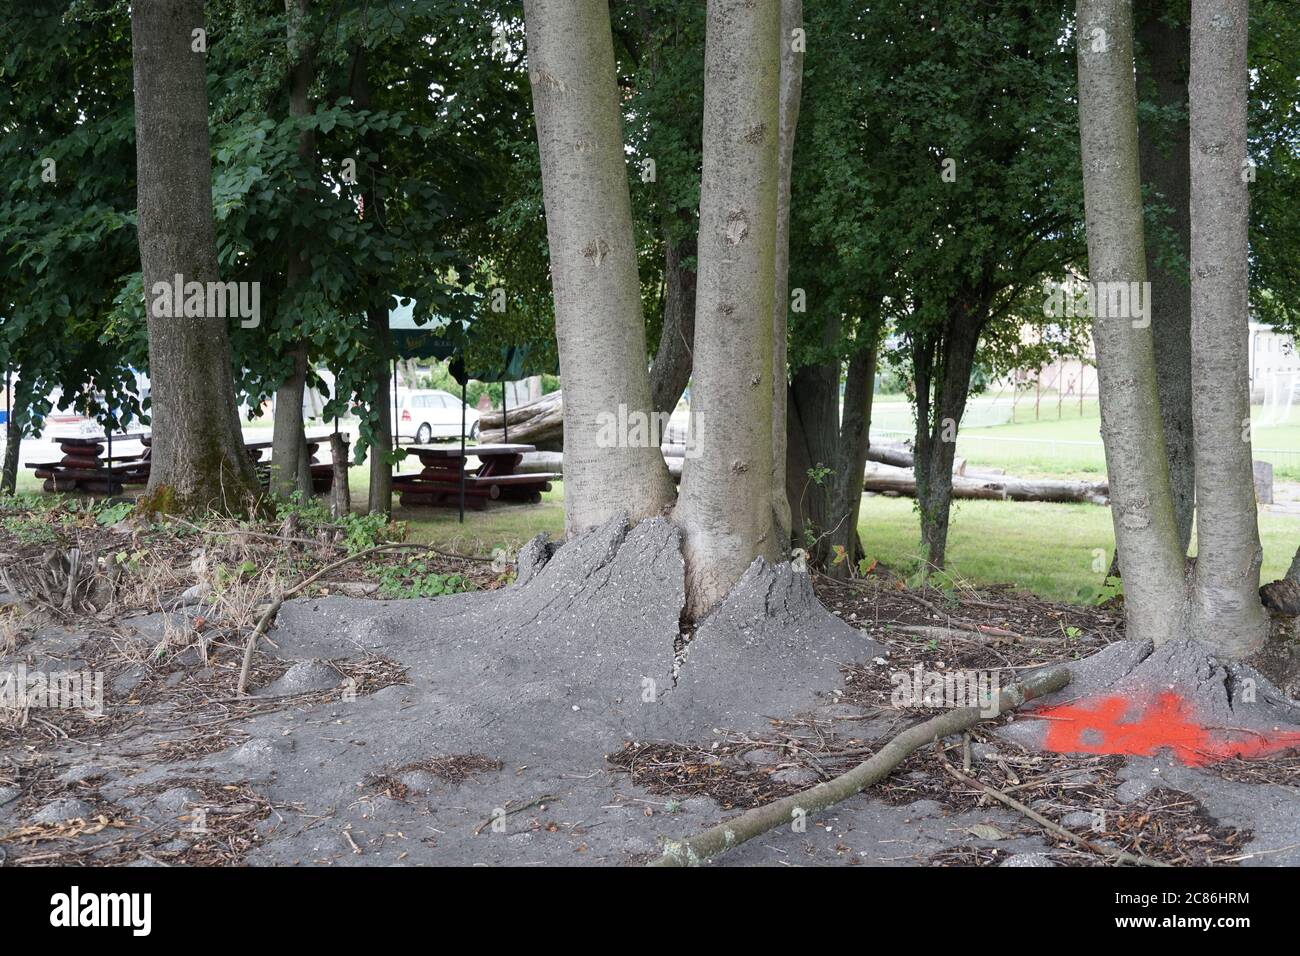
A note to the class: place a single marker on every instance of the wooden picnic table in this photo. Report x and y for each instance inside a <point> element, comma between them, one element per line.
<point>322,475</point>
<point>439,481</point>
<point>86,467</point>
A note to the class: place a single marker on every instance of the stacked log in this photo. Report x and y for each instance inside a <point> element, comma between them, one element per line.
<point>539,423</point>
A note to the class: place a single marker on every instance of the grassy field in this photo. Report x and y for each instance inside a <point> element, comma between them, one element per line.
<point>1051,550</point>
<point>1048,549</point>
<point>1068,445</point>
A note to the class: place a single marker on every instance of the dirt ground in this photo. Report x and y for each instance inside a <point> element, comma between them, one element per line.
<point>569,719</point>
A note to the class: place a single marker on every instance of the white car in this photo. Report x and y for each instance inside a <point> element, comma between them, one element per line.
<point>425,414</point>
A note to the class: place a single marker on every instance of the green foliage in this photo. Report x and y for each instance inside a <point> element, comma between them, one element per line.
<point>111,514</point>
<point>414,578</point>
<point>1106,592</point>
<point>353,531</point>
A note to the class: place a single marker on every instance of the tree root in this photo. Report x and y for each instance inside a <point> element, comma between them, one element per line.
<point>725,836</point>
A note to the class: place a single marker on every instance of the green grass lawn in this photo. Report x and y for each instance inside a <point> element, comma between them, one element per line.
<point>1048,549</point>
<point>1066,441</point>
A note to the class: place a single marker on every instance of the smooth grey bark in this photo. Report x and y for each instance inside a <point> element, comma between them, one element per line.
<point>599,326</point>
<point>1227,616</point>
<point>671,370</point>
<point>197,460</point>
<point>1164,49</point>
<point>851,458</point>
<point>942,363</point>
<point>725,509</point>
<point>791,87</point>
<point>290,463</point>
<point>1142,508</point>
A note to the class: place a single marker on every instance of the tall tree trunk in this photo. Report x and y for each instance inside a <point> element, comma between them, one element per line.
<point>854,440</point>
<point>790,90</point>
<point>599,326</point>
<point>1227,616</point>
<point>1164,49</point>
<point>289,468</point>
<point>197,460</point>
<point>381,412</point>
<point>726,499</point>
<point>944,363</point>
<point>1142,510</point>
<point>381,442</point>
<point>672,365</point>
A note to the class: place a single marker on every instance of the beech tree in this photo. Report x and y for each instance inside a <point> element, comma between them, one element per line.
<point>1164,48</point>
<point>1220,607</point>
<point>1226,611</point>
<point>726,503</point>
<point>725,509</point>
<point>198,460</point>
<point>598,318</point>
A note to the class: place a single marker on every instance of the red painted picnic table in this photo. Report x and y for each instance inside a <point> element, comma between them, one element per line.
<point>85,467</point>
<point>439,482</point>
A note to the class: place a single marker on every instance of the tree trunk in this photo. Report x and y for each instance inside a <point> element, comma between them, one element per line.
<point>1283,595</point>
<point>288,442</point>
<point>13,442</point>
<point>1142,508</point>
<point>851,460</point>
<point>1163,147</point>
<point>945,363</point>
<point>811,454</point>
<point>290,464</point>
<point>380,497</point>
<point>599,325</point>
<point>1227,616</point>
<point>791,86</point>
<point>381,442</point>
<point>672,366</point>
<point>198,460</point>
<point>340,494</point>
<point>725,510</point>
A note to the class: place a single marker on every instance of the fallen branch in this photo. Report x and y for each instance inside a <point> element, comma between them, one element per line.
<point>981,634</point>
<point>752,823</point>
<point>1043,822</point>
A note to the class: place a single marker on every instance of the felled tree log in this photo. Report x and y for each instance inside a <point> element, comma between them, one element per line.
<point>900,456</point>
<point>901,481</point>
<point>756,822</point>
<point>539,423</point>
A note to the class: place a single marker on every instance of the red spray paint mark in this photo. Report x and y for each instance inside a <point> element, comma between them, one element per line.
<point>1097,726</point>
